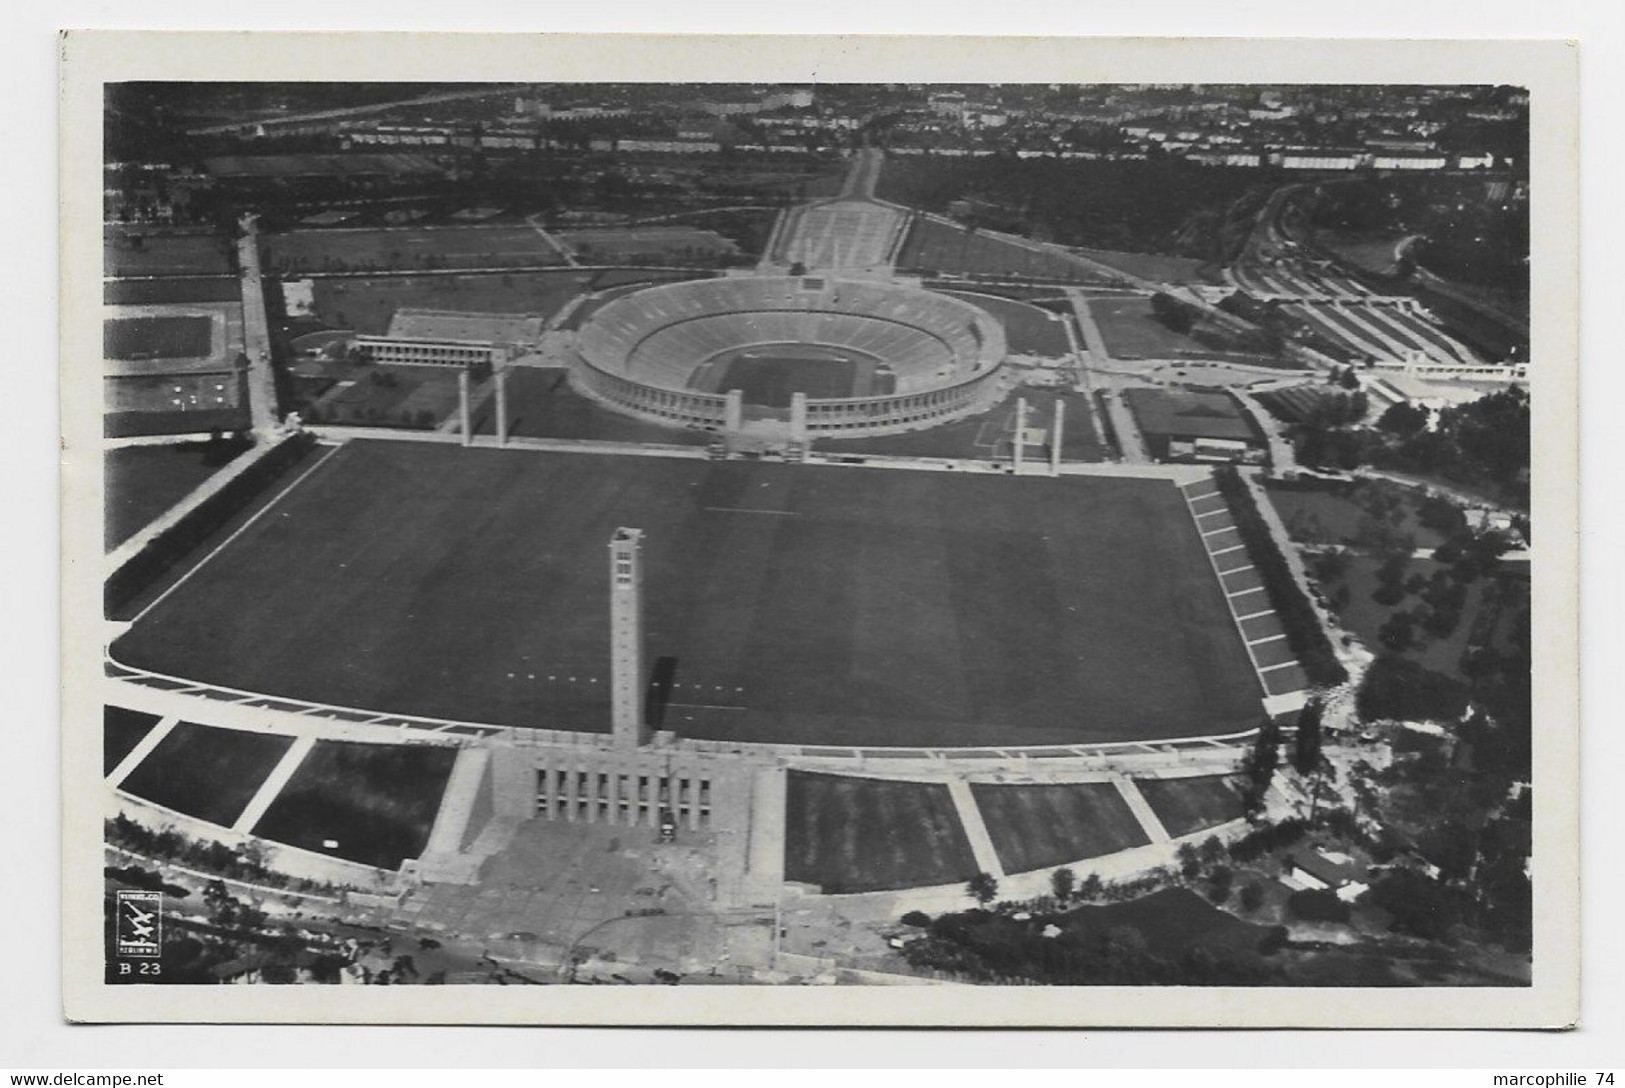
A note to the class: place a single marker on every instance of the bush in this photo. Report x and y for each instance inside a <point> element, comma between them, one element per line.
<point>1252,896</point>
<point>1317,905</point>
<point>916,918</point>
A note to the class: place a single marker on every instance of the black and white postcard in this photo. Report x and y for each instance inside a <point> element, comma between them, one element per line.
<point>720,530</point>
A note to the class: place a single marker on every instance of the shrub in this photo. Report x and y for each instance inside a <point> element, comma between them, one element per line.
<point>916,918</point>
<point>1252,896</point>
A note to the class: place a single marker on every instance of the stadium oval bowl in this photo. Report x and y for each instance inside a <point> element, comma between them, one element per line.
<point>913,358</point>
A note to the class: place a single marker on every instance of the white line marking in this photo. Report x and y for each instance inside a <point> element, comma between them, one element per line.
<point>1267,638</point>
<point>1244,592</point>
<point>1210,513</point>
<point>1282,665</point>
<point>1255,615</point>
<point>1220,529</point>
<point>1235,570</point>
<point>745,510</point>
<point>241,529</point>
<point>1227,551</point>
<point>706,706</point>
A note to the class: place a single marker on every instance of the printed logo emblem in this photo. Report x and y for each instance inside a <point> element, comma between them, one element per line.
<point>140,923</point>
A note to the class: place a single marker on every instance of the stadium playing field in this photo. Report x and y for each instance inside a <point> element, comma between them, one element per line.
<point>770,374</point>
<point>796,603</point>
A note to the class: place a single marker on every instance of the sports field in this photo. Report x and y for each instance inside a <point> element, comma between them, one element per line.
<point>867,834</point>
<point>797,603</point>
<point>770,375</point>
<point>122,730</point>
<point>206,772</point>
<point>1188,805</point>
<point>133,251</point>
<point>402,248</point>
<point>366,303</point>
<point>1034,827</point>
<point>935,246</point>
<point>1028,330</point>
<point>541,404</point>
<point>377,801</point>
<point>186,337</point>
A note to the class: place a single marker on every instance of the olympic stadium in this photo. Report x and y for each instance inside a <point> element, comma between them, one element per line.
<point>865,357</point>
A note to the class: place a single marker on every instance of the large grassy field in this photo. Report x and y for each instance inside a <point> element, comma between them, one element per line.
<point>1131,331</point>
<point>365,248</point>
<point>156,337</point>
<point>1189,805</point>
<point>796,603</point>
<point>366,303</point>
<point>206,772</point>
<point>144,481</point>
<point>377,801</point>
<point>541,404</point>
<point>1028,330</point>
<point>1034,827</point>
<point>938,247</point>
<point>865,834</point>
<point>136,252</point>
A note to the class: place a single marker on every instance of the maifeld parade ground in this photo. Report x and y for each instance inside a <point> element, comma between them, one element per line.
<point>793,604</point>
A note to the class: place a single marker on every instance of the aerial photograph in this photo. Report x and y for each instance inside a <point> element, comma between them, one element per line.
<point>816,535</point>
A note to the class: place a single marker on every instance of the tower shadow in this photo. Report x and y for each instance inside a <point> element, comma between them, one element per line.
<point>662,678</point>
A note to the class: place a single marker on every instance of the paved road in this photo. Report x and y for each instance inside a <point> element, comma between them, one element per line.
<point>256,332</point>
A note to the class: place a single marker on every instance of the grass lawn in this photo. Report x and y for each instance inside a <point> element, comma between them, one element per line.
<point>1035,827</point>
<point>1188,805</point>
<point>541,404</point>
<point>391,396</point>
<point>206,772</point>
<point>1028,330</point>
<point>798,603</point>
<point>1150,266</point>
<point>122,730</point>
<point>166,254</point>
<point>937,247</point>
<point>172,289</point>
<point>1365,617</point>
<point>378,801</point>
<point>144,481</point>
<point>306,251</point>
<point>865,834</point>
<point>989,435</point>
<point>1328,517</point>
<point>366,303</point>
<point>157,337</point>
<point>1131,331</point>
